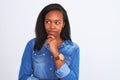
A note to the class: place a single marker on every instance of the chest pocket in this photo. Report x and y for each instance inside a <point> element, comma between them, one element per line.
<point>39,57</point>
<point>68,59</point>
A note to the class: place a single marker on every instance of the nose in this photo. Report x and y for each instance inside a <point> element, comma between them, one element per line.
<point>52,26</point>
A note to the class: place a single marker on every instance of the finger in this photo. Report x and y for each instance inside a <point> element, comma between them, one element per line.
<point>51,36</point>
<point>49,40</point>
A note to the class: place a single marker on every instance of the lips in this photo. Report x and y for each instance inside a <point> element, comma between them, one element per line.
<point>52,32</point>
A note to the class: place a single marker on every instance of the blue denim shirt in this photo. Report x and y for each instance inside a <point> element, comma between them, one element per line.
<point>40,65</point>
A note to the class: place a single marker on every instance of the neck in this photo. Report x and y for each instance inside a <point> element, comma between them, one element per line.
<point>59,41</point>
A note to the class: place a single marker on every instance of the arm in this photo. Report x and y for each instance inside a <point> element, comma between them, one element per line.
<point>26,64</point>
<point>64,72</point>
<point>71,72</point>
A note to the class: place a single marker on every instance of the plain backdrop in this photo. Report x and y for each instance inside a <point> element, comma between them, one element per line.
<point>95,27</point>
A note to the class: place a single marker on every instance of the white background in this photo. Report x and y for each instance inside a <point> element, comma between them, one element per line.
<point>95,26</point>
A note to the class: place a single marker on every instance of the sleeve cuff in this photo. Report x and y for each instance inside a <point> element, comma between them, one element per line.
<point>62,71</point>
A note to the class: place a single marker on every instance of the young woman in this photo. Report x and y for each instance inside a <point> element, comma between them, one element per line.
<point>51,55</point>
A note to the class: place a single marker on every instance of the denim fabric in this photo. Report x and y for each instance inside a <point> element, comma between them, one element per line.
<point>40,65</point>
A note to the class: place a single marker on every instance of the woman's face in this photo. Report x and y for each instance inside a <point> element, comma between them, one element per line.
<point>54,23</point>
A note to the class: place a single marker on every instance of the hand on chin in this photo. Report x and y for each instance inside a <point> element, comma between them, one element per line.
<point>52,42</point>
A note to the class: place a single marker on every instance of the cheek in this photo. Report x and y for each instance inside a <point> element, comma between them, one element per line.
<point>46,27</point>
<point>60,30</point>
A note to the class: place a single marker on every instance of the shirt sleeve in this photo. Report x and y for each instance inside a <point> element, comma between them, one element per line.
<point>26,70</point>
<point>63,71</point>
<point>70,72</point>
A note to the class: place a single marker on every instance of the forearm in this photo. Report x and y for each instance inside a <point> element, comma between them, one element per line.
<point>70,72</point>
<point>70,76</point>
<point>65,73</point>
<point>58,63</point>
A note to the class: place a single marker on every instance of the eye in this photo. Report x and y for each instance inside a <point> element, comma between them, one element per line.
<point>48,22</point>
<point>57,22</point>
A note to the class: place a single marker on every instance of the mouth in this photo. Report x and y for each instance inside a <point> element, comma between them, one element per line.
<point>52,32</point>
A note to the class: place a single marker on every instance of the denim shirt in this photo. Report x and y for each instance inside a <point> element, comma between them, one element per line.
<point>40,65</point>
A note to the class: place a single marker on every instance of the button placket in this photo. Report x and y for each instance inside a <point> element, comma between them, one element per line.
<point>51,68</point>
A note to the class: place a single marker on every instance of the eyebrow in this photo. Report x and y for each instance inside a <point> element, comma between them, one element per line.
<point>55,20</point>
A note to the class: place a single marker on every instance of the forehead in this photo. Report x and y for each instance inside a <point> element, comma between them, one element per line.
<point>55,14</point>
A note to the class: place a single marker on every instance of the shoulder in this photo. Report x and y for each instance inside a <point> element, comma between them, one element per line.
<point>71,44</point>
<point>70,48</point>
<point>31,43</point>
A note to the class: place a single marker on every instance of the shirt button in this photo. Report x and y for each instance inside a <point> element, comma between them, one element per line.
<point>50,69</point>
<point>44,54</point>
<point>70,58</point>
<point>51,56</point>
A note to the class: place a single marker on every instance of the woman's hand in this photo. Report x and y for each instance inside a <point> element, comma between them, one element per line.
<point>53,45</point>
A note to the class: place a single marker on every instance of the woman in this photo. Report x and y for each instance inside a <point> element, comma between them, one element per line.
<point>51,55</point>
